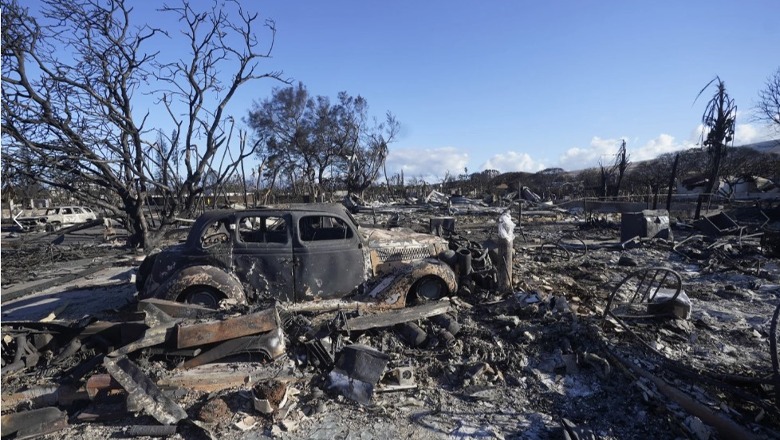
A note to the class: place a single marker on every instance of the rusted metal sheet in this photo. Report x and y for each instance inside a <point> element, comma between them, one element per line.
<point>144,391</point>
<point>101,385</point>
<point>200,334</point>
<point>31,424</point>
<point>387,319</point>
<point>270,343</point>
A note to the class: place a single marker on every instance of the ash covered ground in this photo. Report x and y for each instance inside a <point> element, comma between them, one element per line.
<point>539,362</point>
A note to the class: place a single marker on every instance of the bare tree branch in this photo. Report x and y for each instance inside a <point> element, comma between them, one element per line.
<point>768,107</point>
<point>71,81</point>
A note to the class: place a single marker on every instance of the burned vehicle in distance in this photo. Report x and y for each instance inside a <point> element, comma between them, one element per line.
<point>56,218</point>
<point>296,254</point>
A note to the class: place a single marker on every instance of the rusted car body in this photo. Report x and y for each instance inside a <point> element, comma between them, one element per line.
<point>293,255</point>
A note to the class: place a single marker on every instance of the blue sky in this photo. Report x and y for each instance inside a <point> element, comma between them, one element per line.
<point>526,85</point>
<point>522,85</point>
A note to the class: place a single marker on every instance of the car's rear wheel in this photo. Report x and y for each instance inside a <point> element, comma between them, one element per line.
<point>203,296</point>
<point>429,288</point>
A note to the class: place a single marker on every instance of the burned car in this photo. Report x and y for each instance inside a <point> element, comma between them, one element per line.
<point>56,218</point>
<point>296,254</point>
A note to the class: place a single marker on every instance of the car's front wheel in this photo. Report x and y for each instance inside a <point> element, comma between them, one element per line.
<point>429,288</point>
<point>202,295</point>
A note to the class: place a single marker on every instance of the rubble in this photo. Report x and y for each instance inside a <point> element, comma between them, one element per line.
<point>144,391</point>
<point>581,345</point>
<point>33,423</point>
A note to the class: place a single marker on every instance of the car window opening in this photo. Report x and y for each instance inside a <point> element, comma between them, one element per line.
<point>263,229</point>
<point>322,228</point>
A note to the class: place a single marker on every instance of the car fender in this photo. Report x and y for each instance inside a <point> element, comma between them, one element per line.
<point>393,288</point>
<point>201,275</point>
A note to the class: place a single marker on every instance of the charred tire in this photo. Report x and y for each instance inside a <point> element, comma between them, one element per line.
<point>54,226</point>
<point>203,296</point>
<point>144,270</point>
<point>428,288</point>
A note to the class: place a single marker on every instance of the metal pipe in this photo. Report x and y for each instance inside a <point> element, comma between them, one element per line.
<point>464,262</point>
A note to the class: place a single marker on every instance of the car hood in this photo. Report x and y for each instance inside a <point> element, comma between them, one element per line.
<point>376,237</point>
<point>402,243</point>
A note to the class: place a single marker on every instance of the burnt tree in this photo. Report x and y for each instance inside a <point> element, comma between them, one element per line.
<point>768,107</point>
<point>718,120</point>
<point>318,141</point>
<point>79,83</point>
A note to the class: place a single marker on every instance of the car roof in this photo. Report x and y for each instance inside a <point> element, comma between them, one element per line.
<point>333,208</point>
<point>208,217</point>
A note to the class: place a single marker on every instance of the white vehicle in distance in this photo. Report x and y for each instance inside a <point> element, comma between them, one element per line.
<point>56,218</point>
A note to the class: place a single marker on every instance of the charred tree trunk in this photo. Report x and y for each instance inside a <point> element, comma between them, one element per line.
<point>671,184</point>
<point>656,189</point>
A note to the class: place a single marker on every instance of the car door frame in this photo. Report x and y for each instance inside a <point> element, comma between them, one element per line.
<point>329,268</point>
<point>265,269</point>
<point>68,219</point>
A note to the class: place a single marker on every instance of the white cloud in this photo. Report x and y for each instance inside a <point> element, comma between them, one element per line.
<point>753,132</point>
<point>663,144</point>
<point>745,134</point>
<point>695,135</point>
<point>512,161</point>
<point>606,149</point>
<point>430,164</point>
<point>599,149</point>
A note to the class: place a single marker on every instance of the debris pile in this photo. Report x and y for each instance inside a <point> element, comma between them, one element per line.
<point>599,335</point>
